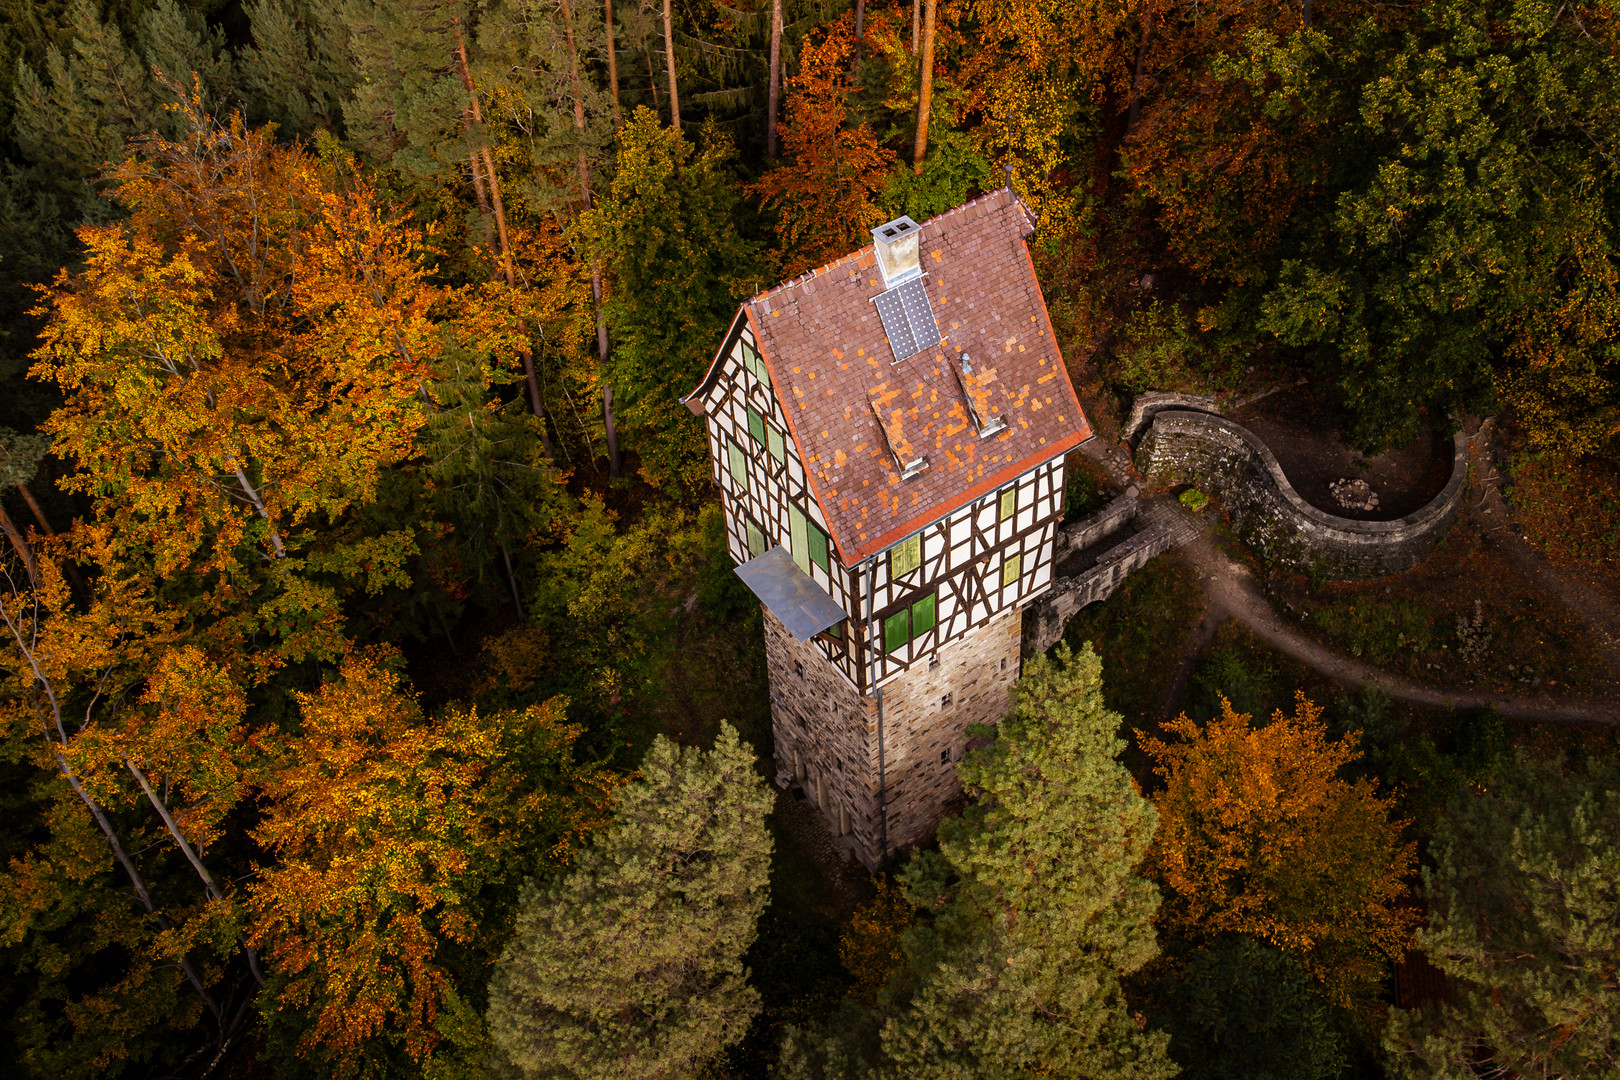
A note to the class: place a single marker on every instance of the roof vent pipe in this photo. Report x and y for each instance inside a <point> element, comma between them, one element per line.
<point>897,255</point>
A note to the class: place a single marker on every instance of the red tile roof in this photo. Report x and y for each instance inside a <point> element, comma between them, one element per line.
<point>832,367</point>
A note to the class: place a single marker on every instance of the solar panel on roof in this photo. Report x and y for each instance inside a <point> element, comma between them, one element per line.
<point>908,319</point>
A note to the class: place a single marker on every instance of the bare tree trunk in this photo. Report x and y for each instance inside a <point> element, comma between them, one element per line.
<point>613,61</point>
<point>258,503</point>
<point>1306,14</point>
<point>652,76</point>
<point>669,61</point>
<point>511,579</point>
<point>1136,77</point>
<point>612,432</point>
<point>24,552</point>
<point>776,78</point>
<point>494,179</point>
<point>45,527</point>
<point>54,711</point>
<point>579,104</point>
<point>196,862</point>
<point>925,97</point>
<point>860,24</point>
<point>915,21</point>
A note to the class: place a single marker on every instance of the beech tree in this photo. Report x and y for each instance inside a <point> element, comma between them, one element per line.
<point>1038,907</point>
<point>1258,835</point>
<point>1524,917</point>
<point>385,824</point>
<point>632,963</point>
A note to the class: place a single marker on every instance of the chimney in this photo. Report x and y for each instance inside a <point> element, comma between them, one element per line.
<point>897,257</point>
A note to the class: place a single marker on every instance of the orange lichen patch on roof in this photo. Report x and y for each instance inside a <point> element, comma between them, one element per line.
<point>981,284</point>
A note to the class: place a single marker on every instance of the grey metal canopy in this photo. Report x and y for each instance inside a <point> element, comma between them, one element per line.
<point>803,606</point>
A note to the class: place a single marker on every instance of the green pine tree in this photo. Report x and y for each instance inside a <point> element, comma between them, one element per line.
<point>632,965</point>
<point>1524,916</point>
<point>298,72</point>
<point>1039,909</point>
<point>668,235</point>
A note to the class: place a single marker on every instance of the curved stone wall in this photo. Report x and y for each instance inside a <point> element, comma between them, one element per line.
<point>1228,461</point>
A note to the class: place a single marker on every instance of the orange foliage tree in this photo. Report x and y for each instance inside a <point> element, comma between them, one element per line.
<point>825,197</point>
<point>1258,835</point>
<point>386,825</point>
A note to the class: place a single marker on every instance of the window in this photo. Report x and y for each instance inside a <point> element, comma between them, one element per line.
<point>739,465</point>
<point>1010,569</point>
<point>909,623</point>
<point>797,541</point>
<point>775,444</point>
<point>756,541</point>
<point>817,545</point>
<point>808,542</point>
<point>752,361</point>
<point>905,556</point>
<point>835,631</point>
<point>756,426</point>
<point>1009,503</point>
<point>944,757</point>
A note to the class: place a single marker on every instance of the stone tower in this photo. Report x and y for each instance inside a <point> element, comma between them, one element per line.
<point>888,435</point>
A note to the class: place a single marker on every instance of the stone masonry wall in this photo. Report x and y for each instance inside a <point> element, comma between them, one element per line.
<point>826,733</point>
<point>1229,462</point>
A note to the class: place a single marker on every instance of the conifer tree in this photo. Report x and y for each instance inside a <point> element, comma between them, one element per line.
<point>1524,916</point>
<point>632,964</point>
<point>1039,909</point>
<point>667,234</point>
<point>299,71</point>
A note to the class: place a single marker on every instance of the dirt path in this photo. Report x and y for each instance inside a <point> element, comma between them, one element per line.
<point>1230,591</point>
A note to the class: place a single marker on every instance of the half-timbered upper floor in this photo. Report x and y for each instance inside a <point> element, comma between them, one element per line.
<point>897,422</point>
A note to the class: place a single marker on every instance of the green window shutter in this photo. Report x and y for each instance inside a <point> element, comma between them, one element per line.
<point>905,556</point>
<point>922,615</point>
<point>896,630</point>
<point>796,532</point>
<point>756,426</point>
<point>756,541</point>
<point>818,546</point>
<point>1009,503</point>
<point>773,441</point>
<point>739,465</point>
<point>1011,568</point>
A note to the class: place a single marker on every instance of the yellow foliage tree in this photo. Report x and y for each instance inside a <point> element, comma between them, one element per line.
<point>1258,835</point>
<point>385,825</point>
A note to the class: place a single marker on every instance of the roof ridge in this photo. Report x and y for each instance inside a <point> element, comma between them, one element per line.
<point>827,268</point>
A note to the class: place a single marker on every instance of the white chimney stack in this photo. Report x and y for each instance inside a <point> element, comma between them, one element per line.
<point>897,255</point>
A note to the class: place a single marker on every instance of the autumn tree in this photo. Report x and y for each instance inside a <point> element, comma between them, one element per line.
<point>1260,836</point>
<point>633,962</point>
<point>1525,920</point>
<point>1036,906</point>
<point>824,197</point>
<point>385,825</point>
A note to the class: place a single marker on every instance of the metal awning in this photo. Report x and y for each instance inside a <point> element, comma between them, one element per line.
<point>803,606</point>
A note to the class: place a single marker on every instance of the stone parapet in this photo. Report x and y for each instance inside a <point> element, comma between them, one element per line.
<point>1229,462</point>
<point>1146,406</point>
